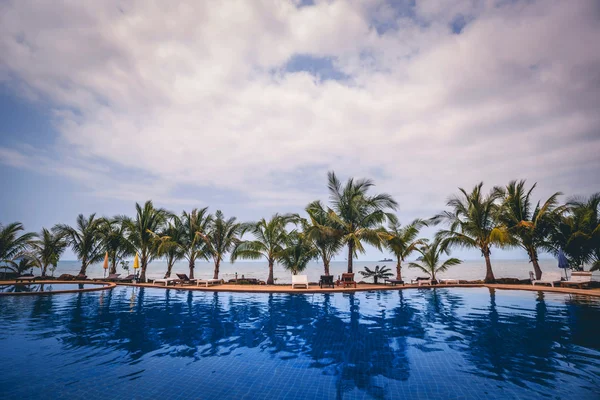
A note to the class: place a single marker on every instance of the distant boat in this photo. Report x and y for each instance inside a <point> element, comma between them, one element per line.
<point>386,260</point>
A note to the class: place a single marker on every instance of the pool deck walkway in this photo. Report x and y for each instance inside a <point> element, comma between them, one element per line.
<point>314,288</point>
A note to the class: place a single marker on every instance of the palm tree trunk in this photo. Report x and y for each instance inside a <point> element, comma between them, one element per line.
<point>83,267</point>
<point>44,269</point>
<point>144,266</point>
<point>169,268</point>
<point>399,269</point>
<point>489,274</point>
<point>534,260</point>
<point>270,279</point>
<point>350,254</point>
<point>192,264</point>
<point>113,266</point>
<point>326,266</point>
<point>217,265</point>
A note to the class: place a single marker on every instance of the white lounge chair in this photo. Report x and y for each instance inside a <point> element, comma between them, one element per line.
<point>579,279</point>
<point>422,281</point>
<point>549,278</point>
<point>448,280</point>
<point>207,282</point>
<point>166,281</point>
<point>300,280</point>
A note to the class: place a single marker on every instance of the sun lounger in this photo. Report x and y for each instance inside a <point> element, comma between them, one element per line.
<point>185,279</point>
<point>128,278</point>
<point>393,282</point>
<point>301,280</point>
<point>348,280</point>
<point>326,280</point>
<point>26,278</point>
<point>166,281</point>
<point>422,281</point>
<point>207,282</point>
<point>549,278</point>
<point>579,279</point>
<point>448,281</point>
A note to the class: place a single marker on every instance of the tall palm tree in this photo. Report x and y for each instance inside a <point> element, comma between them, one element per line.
<point>47,248</point>
<point>269,241</point>
<point>168,245</point>
<point>327,240</point>
<point>473,223</point>
<point>194,226</point>
<point>529,226</point>
<point>141,230</point>
<point>357,216</point>
<point>84,239</point>
<point>298,252</point>
<point>12,243</point>
<point>429,261</point>
<point>402,241</point>
<point>113,234</point>
<point>222,237</point>
<point>377,273</point>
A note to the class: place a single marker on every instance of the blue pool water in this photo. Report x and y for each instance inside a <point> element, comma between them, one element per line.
<point>447,343</point>
<point>46,287</point>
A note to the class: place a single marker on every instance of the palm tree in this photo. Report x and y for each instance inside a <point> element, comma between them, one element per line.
<point>113,234</point>
<point>356,216</point>
<point>473,223</point>
<point>47,248</point>
<point>168,245</point>
<point>222,237</point>
<point>378,273</point>
<point>84,240</point>
<point>12,243</point>
<point>429,261</point>
<point>327,240</point>
<point>270,238</point>
<point>299,251</point>
<point>402,241</point>
<point>529,227</point>
<point>577,231</point>
<point>141,232</point>
<point>194,226</point>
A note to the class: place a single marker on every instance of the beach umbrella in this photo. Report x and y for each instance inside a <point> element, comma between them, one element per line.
<point>105,263</point>
<point>563,263</point>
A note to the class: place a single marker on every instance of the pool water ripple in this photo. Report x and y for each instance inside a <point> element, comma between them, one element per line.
<point>444,343</point>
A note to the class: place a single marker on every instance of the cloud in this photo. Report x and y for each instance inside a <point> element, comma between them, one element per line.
<point>151,96</point>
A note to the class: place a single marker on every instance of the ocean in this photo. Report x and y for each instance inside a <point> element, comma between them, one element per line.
<point>468,270</point>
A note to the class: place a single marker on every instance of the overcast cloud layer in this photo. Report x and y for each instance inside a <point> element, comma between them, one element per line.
<point>253,101</point>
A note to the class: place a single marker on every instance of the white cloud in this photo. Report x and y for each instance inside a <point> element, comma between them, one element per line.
<point>185,94</point>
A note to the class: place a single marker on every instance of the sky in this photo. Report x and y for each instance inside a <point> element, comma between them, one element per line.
<point>244,105</point>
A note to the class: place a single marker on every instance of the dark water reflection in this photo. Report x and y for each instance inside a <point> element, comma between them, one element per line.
<point>442,343</point>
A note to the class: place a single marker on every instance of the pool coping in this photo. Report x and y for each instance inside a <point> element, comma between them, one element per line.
<point>595,292</point>
<point>101,286</point>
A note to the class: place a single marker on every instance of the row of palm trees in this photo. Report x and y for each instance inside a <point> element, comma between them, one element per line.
<point>504,217</point>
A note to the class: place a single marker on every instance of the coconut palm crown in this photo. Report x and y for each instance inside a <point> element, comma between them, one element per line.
<point>46,249</point>
<point>529,226</point>
<point>299,251</point>
<point>222,237</point>
<point>473,223</point>
<point>84,239</point>
<point>270,238</point>
<point>325,237</point>
<point>13,244</point>
<point>357,216</point>
<point>402,241</point>
<point>429,261</point>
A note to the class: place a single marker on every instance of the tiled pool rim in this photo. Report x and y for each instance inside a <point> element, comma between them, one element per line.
<point>101,286</point>
<point>595,292</point>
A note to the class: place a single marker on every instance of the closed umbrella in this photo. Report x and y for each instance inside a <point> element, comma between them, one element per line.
<point>563,263</point>
<point>136,264</point>
<point>105,263</point>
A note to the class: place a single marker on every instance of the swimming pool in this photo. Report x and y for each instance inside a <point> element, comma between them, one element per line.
<point>448,343</point>
<point>39,288</point>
